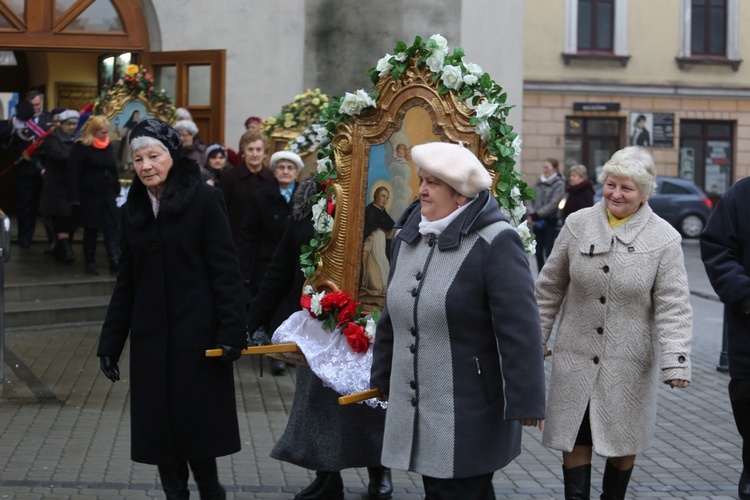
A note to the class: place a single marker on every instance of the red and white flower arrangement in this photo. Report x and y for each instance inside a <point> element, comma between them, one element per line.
<point>338,311</point>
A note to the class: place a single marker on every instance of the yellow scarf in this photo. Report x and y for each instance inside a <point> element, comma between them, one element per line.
<point>614,221</point>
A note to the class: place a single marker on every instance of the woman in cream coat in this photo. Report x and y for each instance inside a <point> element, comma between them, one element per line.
<point>626,323</point>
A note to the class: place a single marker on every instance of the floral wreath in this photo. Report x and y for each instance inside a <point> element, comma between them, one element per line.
<point>137,82</point>
<point>304,110</point>
<point>338,311</point>
<point>469,83</point>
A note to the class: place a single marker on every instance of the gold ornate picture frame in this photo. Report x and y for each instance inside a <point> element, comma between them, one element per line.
<point>370,151</point>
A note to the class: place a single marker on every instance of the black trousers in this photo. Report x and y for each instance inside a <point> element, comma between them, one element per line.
<point>466,488</point>
<point>545,240</point>
<point>28,194</point>
<point>739,395</point>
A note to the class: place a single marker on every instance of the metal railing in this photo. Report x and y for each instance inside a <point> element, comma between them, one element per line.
<point>4,257</point>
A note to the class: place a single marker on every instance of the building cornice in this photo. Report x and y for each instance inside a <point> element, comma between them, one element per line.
<point>619,89</point>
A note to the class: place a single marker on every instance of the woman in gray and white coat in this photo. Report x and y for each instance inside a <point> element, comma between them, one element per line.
<point>458,350</point>
<point>626,323</point>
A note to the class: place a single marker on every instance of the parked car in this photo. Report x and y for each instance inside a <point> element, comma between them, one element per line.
<point>679,202</point>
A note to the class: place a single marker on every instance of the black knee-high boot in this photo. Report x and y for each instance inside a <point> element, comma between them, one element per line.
<point>207,477</point>
<point>326,486</point>
<point>577,482</point>
<point>174,478</point>
<point>615,482</point>
<point>380,486</point>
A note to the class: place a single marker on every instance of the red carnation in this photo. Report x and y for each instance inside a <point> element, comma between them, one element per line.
<point>337,300</point>
<point>347,313</point>
<point>355,336</point>
<point>330,206</point>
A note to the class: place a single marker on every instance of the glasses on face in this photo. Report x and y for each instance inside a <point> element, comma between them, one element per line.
<point>286,167</point>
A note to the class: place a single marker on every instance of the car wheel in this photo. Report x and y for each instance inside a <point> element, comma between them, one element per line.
<point>691,226</point>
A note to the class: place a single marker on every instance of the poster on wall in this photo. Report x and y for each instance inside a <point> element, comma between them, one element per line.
<point>718,167</point>
<point>652,129</point>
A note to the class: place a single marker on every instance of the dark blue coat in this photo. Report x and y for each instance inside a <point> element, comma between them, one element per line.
<point>725,250</point>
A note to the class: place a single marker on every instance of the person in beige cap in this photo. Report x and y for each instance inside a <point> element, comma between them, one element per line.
<point>458,351</point>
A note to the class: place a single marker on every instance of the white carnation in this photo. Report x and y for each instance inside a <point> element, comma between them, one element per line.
<point>324,165</point>
<point>435,62</point>
<point>349,105</point>
<point>473,69</point>
<point>470,80</point>
<point>452,77</point>
<point>519,211</point>
<point>401,56</point>
<point>483,130</point>
<point>308,290</point>
<point>523,231</point>
<point>315,306</point>
<point>442,44</point>
<point>515,192</point>
<point>319,209</point>
<point>516,145</point>
<point>364,100</point>
<point>324,223</point>
<point>370,328</point>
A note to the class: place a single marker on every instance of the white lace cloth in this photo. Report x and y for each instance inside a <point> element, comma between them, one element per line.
<point>329,355</point>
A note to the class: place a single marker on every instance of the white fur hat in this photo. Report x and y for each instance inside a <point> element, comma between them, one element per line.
<point>286,155</point>
<point>68,114</point>
<point>453,164</point>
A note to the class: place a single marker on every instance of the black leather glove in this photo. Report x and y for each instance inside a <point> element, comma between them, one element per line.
<point>109,368</point>
<point>229,353</point>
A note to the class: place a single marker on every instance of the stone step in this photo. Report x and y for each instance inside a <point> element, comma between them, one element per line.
<point>50,290</point>
<point>56,311</point>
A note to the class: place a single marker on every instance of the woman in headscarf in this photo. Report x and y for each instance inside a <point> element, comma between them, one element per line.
<point>178,293</point>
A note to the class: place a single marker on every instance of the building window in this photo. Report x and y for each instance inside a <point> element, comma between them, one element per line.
<point>596,29</point>
<point>708,27</point>
<point>709,33</point>
<point>595,25</point>
<point>591,142</point>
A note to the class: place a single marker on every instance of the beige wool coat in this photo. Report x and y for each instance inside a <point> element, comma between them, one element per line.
<point>626,323</point>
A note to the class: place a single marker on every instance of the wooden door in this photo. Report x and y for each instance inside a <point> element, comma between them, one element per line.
<point>196,80</point>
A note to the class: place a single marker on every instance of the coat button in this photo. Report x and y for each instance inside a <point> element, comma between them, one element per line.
<point>418,275</point>
<point>414,292</point>
<point>155,247</point>
<point>414,401</point>
<point>600,330</point>
<point>413,384</point>
<point>596,360</point>
<point>412,348</point>
<point>431,242</point>
<point>605,269</point>
<point>602,299</point>
<point>681,359</point>
<point>413,331</point>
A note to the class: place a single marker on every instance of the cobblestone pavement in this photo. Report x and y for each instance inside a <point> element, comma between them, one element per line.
<point>65,430</point>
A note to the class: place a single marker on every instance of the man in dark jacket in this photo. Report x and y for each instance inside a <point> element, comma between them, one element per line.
<point>725,250</point>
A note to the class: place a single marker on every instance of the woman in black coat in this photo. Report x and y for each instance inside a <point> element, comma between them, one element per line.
<point>58,178</point>
<point>178,293</point>
<point>580,190</point>
<point>320,435</point>
<point>95,189</point>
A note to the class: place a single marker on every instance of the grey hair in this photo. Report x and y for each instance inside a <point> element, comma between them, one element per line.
<point>145,142</point>
<point>186,125</point>
<point>183,114</point>
<point>633,162</point>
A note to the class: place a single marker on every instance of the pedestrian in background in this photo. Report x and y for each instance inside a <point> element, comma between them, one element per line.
<point>192,147</point>
<point>620,272</point>
<point>216,163</point>
<point>178,293</point>
<point>458,351</point>
<point>725,250</point>
<point>542,213</point>
<point>95,188</point>
<point>58,180</point>
<point>580,190</point>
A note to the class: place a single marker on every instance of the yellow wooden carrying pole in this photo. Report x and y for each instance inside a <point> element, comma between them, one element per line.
<point>261,349</point>
<point>359,396</point>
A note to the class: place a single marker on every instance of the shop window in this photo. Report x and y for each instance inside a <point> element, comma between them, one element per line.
<point>706,155</point>
<point>710,33</point>
<point>596,29</point>
<point>591,142</point>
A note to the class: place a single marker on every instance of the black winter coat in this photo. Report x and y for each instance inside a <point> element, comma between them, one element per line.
<point>58,176</point>
<point>265,221</point>
<point>725,250</point>
<point>95,184</point>
<point>579,196</point>
<point>179,292</point>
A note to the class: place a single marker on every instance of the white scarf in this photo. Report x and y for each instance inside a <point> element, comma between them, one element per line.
<point>154,202</point>
<point>436,227</point>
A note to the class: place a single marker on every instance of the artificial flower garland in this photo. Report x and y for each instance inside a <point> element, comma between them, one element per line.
<point>137,82</point>
<point>338,311</point>
<point>298,114</point>
<point>451,74</point>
